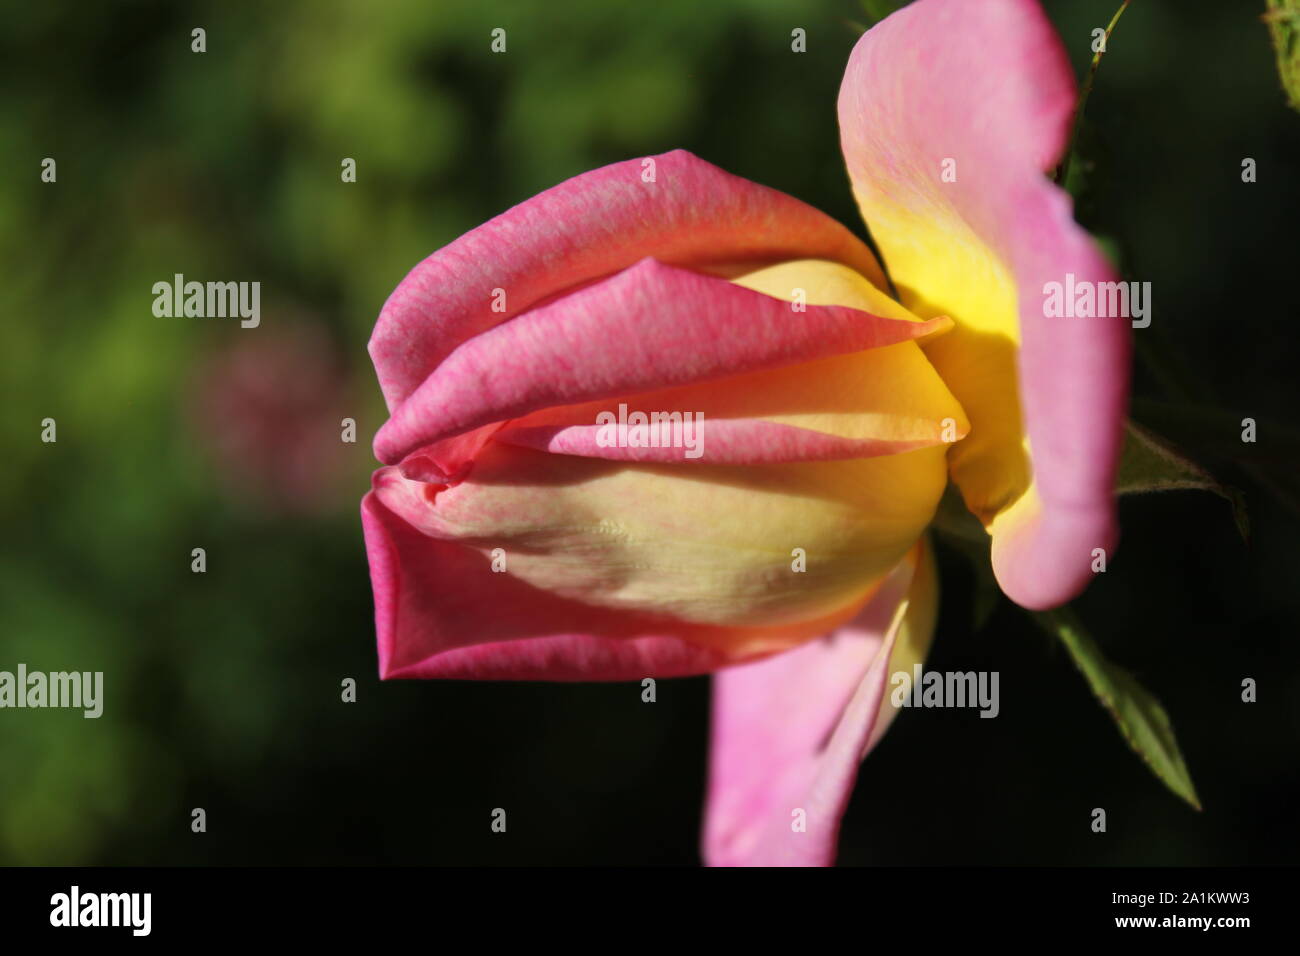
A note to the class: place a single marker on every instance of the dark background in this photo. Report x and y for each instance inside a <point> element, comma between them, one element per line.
<point>223,689</point>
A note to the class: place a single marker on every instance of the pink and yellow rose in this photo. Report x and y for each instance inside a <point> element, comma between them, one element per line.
<point>507,540</point>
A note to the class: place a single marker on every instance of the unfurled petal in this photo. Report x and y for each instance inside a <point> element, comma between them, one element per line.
<point>675,208</point>
<point>950,112</point>
<point>790,731</point>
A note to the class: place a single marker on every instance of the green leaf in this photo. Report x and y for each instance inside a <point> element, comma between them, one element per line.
<point>1149,463</point>
<point>1283,19</point>
<point>1141,719</point>
<point>1214,436</point>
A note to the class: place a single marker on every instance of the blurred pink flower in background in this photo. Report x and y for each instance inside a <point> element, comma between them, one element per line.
<point>267,409</point>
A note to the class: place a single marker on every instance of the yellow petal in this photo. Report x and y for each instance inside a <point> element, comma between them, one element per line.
<point>951,272</point>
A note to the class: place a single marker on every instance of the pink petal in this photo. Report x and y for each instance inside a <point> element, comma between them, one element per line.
<point>587,227</point>
<point>790,731</point>
<point>730,442</point>
<point>440,612</point>
<point>988,83</point>
<point>650,326</point>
